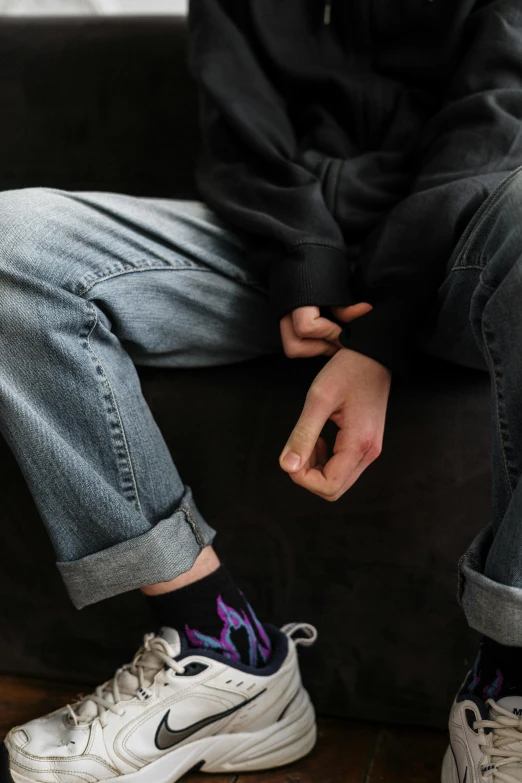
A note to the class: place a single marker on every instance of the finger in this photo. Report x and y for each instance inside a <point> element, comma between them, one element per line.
<point>315,480</point>
<point>350,313</point>
<point>322,452</point>
<point>295,347</point>
<point>319,455</point>
<point>308,324</point>
<point>353,452</point>
<point>357,473</point>
<point>305,434</point>
<point>334,491</point>
<point>339,473</point>
<point>304,349</point>
<point>312,462</point>
<point>329,480</point>
<point>286,328</point>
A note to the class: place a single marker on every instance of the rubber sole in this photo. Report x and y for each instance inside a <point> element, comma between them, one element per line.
<point>281,743</point>
<point>449,772</point>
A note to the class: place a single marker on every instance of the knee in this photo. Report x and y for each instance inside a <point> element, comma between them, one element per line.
<point>502,218</point>
<point>497,241</point>
<point>503,207</point>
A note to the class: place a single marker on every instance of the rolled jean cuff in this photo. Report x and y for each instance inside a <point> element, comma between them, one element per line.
<point>167,550</point>
<point>491,608</point>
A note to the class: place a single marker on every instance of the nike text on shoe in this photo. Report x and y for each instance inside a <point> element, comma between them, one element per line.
<point>172,710</point>
<point>485,740</point>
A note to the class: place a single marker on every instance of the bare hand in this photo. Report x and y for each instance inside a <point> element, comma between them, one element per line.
<point>352,390</point>
<point>306,333</point>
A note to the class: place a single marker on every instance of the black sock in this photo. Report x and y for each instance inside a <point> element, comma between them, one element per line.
<point>497,671</point>
<point>214,615</point>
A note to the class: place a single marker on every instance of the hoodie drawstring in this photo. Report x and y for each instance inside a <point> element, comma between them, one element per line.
<point>327,11</point>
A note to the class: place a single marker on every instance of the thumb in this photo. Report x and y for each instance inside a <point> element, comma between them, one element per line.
<point>304,436</point>
<point>351,312</point>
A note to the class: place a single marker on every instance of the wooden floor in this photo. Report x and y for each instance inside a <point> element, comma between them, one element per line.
<point>347,751</point>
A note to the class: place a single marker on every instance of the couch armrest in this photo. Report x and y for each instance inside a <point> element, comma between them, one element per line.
<point>97,103</point>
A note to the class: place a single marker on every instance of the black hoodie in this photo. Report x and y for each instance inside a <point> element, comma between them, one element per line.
<point>352,141</point>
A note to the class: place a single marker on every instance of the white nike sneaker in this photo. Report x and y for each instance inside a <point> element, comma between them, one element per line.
<point>170,711</point>
<point>485,740</point>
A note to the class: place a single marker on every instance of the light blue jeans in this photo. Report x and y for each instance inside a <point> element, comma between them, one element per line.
<point>92,284</point>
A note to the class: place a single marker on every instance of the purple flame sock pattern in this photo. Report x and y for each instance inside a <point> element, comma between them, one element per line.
<point>476,670</point>
<point>492,691</point>
<point>495,672</point>
<point>233,620</point>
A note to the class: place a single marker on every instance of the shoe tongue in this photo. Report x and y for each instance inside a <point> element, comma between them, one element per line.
<point>512,704</point>
<point>128,683</point>
<point>172,637</point>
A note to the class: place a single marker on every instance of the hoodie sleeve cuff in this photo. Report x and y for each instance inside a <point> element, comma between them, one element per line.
<point>311,274</point>
<point>387,334</point>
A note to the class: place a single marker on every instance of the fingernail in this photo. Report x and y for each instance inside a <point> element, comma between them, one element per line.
<point>291,460</point>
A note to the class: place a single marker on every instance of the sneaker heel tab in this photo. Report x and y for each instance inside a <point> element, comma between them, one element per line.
<point>309,631</point>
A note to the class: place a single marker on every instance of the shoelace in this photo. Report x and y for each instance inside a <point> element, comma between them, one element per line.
<point>506,729</point>
<point>161,650</point>
<point>152,646</point>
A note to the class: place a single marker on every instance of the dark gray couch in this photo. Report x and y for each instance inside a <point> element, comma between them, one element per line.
<point>107,104</point>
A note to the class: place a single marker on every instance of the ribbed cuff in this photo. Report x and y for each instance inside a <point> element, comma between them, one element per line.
<point>387,333</point>
<point>312,274</point>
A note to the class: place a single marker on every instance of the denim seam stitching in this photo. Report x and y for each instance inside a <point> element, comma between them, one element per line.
<point>193,524</point>
<point>140,269</point>
<point>480,260</point>
<point>115,408</point>
<point>318,242</point>
<point>482,213</point>
<point>488,204</point>
<point>496,382</point>
<point>463,267</point>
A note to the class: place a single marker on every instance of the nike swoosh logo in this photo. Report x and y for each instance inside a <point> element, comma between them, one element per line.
<point>166,738</point>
